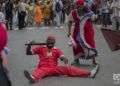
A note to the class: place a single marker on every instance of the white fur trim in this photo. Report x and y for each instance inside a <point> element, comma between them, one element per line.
<point>82,25</point>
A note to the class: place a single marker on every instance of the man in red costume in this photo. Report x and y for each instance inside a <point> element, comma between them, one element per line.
<point>48,65</point>
<point>83,33</point>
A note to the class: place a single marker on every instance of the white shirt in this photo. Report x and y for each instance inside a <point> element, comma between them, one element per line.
<point>116,8</point>
<point>22,6</point>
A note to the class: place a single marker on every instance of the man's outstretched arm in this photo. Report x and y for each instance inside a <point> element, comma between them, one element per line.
<point>64,59</point>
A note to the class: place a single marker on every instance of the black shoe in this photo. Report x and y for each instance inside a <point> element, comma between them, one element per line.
<point>28,76</point>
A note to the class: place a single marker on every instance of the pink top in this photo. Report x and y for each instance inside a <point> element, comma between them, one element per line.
<point>3,37</point>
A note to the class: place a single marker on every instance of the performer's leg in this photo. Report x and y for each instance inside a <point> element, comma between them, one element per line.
<point>73,71</point>
<point>77,72</point>
<point>36,75</point>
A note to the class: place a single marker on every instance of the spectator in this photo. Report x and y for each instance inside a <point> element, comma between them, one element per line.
<point>105,15</point>
<point>21,14</point>
<point>47,12</point>
<point>38,13</point>
<point>116,14</point>
<point>9,13</point>
<point>30,14</point>
<point>57,8</point>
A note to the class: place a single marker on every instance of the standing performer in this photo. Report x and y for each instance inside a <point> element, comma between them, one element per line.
<point>48,65</point>
<point>83,33</point>
<point>9,13</point>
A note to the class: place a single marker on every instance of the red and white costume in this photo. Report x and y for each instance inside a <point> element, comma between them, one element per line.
<point>83,33</point>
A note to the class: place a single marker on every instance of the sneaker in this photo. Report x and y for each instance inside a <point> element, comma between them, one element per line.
<point>85,62</point>
<point>28,76</point>
<point>94,71</point>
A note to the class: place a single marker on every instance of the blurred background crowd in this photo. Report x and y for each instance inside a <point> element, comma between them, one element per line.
<point>29,13</point>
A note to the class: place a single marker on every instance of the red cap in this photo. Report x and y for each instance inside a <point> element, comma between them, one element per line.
<point>3,37</point>
<point>80,2</point>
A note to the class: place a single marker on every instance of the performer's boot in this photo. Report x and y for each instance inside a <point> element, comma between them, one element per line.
<point>29,77</point>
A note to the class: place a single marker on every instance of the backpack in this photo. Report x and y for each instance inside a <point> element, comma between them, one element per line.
<point>57,7</point>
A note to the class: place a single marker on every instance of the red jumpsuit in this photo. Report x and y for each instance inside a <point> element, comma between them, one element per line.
<point>48,65</point>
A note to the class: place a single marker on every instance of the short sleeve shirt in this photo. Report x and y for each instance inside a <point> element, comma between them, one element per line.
<point>48,58</point>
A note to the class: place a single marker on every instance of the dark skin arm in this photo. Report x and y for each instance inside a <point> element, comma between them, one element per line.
<point>29,47</point>
<point>64,59</point>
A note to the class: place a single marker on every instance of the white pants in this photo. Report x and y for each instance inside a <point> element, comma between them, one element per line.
<point>57,18</point>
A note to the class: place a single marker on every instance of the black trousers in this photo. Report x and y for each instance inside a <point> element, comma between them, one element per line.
<point>4,79</point>
<point>21,19</point>
<point>117,24</point>
<point>106,19</point>
<point>63,16</point>
<point>9,18</point>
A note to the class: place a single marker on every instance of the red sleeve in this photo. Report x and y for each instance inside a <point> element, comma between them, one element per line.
<point>60,53</point>
<point>37,50</point>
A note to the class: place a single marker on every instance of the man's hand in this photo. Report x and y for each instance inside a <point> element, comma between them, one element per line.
<point>64,59</point>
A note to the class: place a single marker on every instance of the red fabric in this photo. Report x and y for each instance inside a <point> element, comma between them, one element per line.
<point>89,34</point>
<point>47,59</point>
<point>80,2</point>
<point>71,71</point>
<point>48,65</point>
<point>78,50</point>
<point>3,37</point>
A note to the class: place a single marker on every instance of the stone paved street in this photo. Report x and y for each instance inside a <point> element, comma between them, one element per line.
<point>18,61</point>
